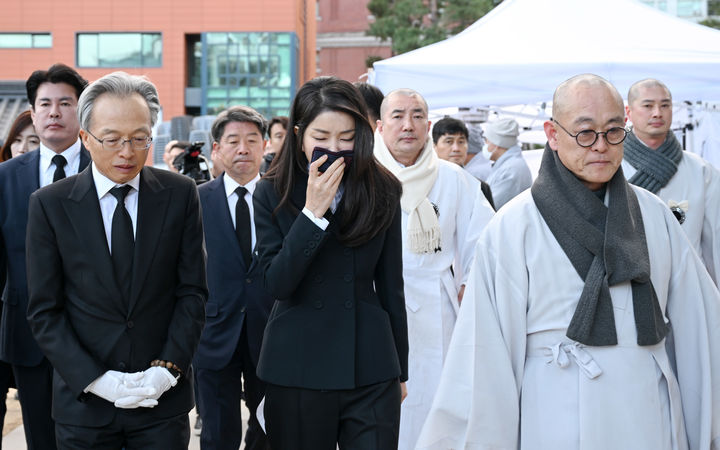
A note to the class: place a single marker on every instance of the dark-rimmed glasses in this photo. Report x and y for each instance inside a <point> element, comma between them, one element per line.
<point>586,138</point>
<point>115,144</point>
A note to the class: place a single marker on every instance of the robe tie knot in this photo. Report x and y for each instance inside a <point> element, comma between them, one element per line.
<point>562,352</point>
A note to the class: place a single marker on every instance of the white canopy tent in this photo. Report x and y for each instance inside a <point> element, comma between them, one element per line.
<point>520,51</point>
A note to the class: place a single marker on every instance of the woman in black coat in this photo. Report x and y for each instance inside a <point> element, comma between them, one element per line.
<point>334,353</point>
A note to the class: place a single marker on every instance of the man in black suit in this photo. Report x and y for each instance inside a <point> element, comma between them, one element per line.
<point>116,279</point>
<point>238,306</point>
<point>53,96</point>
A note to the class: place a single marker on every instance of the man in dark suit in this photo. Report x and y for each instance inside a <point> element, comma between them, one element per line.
<point>116,279</point>
<point>238,306</point>
<point>53,96</point>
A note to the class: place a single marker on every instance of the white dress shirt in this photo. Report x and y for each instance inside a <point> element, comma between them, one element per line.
<point>108,202</point>
<point>47,167</point>
<point>232,199</point>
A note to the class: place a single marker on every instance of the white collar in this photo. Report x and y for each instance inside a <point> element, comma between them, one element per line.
<point>103,184</point>
<point>70,154</point>
<point>231,185</point>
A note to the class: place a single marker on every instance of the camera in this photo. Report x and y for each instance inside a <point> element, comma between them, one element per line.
<point>191,163</point>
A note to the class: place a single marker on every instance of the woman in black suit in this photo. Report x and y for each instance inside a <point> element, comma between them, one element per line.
<point>334,354</point>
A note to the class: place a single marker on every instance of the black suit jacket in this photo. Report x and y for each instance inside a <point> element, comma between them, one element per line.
<point>237,298</point>
<point>339,320</point>
<point>19,177</point>
<point>76,311</point>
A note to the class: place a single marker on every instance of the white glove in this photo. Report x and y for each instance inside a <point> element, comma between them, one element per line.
<point>113,385</point>
<point>133,402</point>
<point>159,379</point>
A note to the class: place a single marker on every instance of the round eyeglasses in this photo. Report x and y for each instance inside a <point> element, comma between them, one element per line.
<point>115,144</point>
<point>586,138</point>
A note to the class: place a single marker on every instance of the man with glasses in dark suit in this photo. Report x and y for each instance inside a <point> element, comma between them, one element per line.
<point>116,280</point>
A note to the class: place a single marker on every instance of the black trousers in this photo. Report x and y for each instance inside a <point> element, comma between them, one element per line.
<point>364,418</point>
<point>34,385</point>
<point>220,394</point>
<point>129,432</point>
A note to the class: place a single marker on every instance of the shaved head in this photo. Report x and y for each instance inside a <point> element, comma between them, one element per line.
<point>565,93</point>
<point>403,92</point>
<point>634,90</point>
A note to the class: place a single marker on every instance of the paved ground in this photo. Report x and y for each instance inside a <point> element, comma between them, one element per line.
<point>14,437</point>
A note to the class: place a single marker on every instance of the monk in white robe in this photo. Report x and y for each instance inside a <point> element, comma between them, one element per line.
<point>443,213</point>
<point>514,379</point>
<point>654,160</point>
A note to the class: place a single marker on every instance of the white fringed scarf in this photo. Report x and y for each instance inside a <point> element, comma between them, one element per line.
<point>423,227</point>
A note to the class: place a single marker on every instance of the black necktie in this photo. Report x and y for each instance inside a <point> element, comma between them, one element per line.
<point>59,161</point>
<point>122,241</point>
<point>242,225</point>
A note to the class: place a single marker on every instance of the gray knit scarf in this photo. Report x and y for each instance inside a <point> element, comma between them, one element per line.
<point>606,245</point>
<point>655,168</point>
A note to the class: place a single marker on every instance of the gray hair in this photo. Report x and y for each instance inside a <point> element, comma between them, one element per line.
<point>237,114</point>
<point>119,84</point>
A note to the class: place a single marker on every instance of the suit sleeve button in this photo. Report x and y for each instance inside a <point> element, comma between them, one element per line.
<point>348,304</point>
<point>248,280</point>
<point>130,324</point>
<point>317,235</point>
<point>306,252</point>
<point>121,365</point>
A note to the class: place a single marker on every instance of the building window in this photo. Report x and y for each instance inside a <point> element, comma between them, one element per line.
<point>254,69</point>
<point>25,40</point>
<point>119,49</point>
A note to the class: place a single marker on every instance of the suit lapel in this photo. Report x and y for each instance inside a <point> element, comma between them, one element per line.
<point>30,171</point>
<point>153,202</point>
<point>84,208</point>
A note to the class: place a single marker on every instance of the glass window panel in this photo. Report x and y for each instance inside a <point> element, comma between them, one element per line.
<point>250,69</point>
<point>87,50</point>
<point>15,40</point>
<point>689,8</point>
<point>151,50</point>
<point>119,49</point>
<point>42,40</point>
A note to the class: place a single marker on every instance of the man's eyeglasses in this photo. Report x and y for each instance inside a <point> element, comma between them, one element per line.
<point>115,144</point>
<point>587,138</point>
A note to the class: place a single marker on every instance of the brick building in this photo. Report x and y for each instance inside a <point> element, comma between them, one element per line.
<point>203,55</point>
<point>342,45</point>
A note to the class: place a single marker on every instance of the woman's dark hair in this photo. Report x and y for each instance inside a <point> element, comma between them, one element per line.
<point>23,120</point>
<point>371,193</point>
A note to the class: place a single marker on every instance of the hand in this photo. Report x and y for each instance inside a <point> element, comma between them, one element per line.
<point>322,187</point>
<point>113,385</point>
<point>461,292</point>
<point>134,401</point>
<point>403,391</point>
<point>159,379</point>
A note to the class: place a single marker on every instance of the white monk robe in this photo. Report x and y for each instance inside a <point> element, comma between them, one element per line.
<point>431,291</point>
<point>698,183</point>
<point>512,379</point>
